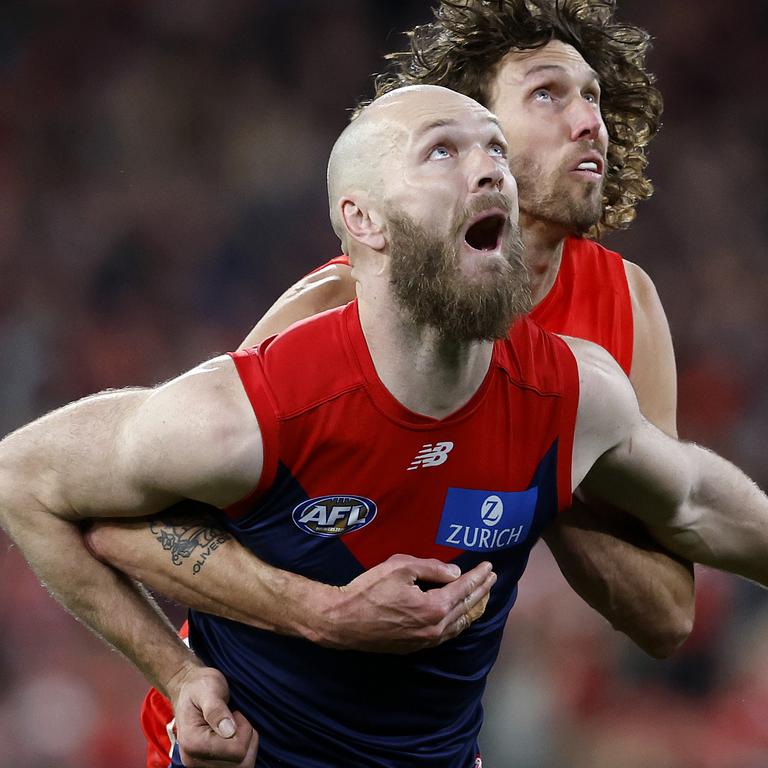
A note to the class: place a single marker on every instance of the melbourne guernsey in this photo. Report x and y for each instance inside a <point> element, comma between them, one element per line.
<point>352,477</point>
<point>325,521</point>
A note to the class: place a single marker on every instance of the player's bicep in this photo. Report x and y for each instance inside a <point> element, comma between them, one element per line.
<point>329,287</point>
<point>618,455</point>
<point>195,437</point>
<point>648,474</point>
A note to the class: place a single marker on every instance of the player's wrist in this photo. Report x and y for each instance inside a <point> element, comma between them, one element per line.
<point>186,668</point>
<point>315,619</point>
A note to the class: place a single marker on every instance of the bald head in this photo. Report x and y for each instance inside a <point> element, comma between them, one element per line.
<point>370,149</point>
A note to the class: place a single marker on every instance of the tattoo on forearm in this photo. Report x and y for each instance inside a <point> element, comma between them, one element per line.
<point>186,540</point>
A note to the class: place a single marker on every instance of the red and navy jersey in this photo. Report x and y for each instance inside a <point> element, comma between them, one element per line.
<point>352,477</point>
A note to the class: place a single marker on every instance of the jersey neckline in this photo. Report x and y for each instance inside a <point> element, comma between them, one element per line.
<point>384,400</point>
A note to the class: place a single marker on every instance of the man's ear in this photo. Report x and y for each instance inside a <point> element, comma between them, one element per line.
<point>363,224</point>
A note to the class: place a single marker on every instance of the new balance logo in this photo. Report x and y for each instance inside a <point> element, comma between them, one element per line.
<point>432,455</point>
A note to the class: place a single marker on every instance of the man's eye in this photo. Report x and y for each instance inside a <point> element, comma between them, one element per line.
<point>497,150</point>
<point>592,98</point>
<point>439,153</point>
<point>542,94</point>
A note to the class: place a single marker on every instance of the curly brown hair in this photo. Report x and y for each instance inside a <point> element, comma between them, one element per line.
<point>463,48</point>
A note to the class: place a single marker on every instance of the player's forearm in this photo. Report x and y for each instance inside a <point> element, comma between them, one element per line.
<point>613,563</point>
<point>382,610</point>
<point>723,522</point>
<point>103,599</point>
<point>197,564</point>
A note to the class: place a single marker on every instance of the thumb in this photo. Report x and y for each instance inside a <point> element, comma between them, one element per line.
<point>226,728</point>
<point>435,571</point>
<point>219,718</point>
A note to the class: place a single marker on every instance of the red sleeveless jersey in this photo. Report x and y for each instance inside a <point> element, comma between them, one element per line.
<point>352,477</point>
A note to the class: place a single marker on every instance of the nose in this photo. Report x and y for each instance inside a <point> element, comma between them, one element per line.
<point>585,120</point>
<point>485,172</point>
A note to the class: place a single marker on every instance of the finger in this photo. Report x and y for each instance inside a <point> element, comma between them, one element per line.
<point>478,609</point>
<point>455,593</point>
<point>469,609</point>
<point>218,715</point>
<point>431,570</point>
<point>205,749</point>
<point>253,745</point>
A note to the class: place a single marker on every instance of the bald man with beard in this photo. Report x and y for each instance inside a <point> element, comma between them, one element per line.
<point>523,416</point>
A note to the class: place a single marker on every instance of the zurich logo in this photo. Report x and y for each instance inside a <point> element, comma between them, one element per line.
<point>492,510</point>
<point>334,515</point>
<point>486,521</point>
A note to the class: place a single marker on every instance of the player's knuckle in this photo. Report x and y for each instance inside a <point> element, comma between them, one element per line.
<point>443,604</point>
<point>433,634</point>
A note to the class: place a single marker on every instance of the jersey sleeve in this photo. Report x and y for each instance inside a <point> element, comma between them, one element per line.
<point>248,363</point>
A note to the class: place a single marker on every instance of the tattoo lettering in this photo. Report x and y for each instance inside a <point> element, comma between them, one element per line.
<point>187,539</point>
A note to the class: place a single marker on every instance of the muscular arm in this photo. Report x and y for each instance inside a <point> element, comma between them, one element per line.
<point>701,506</point>
<point>121,454</point>
<point>609,558</point>
<point>191,559</point>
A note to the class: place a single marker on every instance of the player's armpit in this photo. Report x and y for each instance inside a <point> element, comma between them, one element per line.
<point>616,566</point>
<point>329,287</point>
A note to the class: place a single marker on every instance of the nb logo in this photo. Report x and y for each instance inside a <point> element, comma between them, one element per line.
<point>432,455</point>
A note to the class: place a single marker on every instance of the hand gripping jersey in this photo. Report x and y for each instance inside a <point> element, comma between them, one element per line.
<point>590,299</point>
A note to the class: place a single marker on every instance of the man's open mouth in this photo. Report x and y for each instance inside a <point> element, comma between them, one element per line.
<point>484,234</point>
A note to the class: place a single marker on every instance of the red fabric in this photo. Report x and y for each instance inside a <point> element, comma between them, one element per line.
<point>156,715</point>
<point>590,300</point>
<point>532,383</point>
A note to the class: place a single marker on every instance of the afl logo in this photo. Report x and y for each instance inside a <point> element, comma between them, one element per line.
<point>334,515</point>
<point>492,510</point>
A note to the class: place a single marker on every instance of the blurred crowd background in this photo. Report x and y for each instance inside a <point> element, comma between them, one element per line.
<point>162,182</point>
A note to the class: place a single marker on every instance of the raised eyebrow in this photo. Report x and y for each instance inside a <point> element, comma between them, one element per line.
<point>538,68</point>
<point>449,122</point>
<point>439,123</point>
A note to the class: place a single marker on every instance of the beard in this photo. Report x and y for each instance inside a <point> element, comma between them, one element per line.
<point>542,196</point>
<point>428,285</point>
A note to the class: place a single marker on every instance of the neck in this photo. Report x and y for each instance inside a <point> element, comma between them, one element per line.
<point>543,249</point>
<point>426,373</point>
